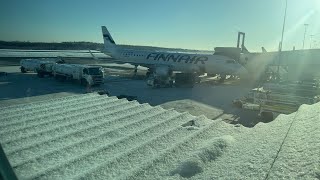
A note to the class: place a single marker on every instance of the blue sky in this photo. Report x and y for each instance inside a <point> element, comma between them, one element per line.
<point>192,24</point>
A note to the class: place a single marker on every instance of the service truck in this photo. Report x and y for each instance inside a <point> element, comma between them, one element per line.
<point>40,66</point>
<point>159,81</point>
<point>85,74</point>
<point>178,80</point>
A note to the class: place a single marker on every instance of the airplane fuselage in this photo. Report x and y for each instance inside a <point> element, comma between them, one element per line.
<point>175,61</point>
<point>186,62</point>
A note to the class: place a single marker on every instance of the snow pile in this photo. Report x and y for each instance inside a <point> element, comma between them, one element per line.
<point>194,108</point>
<point>237,152</point>
<point>100,137</point>
<point>300,154</point>
<point>198,159</point>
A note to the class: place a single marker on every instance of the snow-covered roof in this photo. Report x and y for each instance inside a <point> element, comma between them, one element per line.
<point>100,137</point>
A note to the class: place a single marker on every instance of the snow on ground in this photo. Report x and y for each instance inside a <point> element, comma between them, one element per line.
<point>194,108</point>
<point>100,137</point>
<point>52,53</point>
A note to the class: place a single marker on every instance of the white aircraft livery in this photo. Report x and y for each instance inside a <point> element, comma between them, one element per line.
<point>164,62</point>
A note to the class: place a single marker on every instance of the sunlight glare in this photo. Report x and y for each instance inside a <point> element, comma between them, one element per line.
<point>316,5</point>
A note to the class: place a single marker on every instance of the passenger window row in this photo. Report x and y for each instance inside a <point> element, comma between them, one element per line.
<point>138,55</point>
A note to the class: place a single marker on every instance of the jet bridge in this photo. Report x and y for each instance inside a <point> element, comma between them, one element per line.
<point>233,52</point>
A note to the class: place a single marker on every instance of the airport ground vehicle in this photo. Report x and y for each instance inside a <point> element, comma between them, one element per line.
<point>179,80</point>
<point>185,79</point>
<point>86,75</point>
<point>279,98</point>
<point>159,81</point>
<point>40,66</point>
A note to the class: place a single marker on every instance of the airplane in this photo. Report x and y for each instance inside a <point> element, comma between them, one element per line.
<point>163,63</point>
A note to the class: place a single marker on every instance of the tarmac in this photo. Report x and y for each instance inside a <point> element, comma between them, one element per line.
<point>207,98</point>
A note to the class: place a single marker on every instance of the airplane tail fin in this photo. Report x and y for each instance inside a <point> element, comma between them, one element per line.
<point>107,38</point>
<point>263,50</point>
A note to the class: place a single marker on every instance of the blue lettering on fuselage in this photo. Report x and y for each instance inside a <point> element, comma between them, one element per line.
<point>163,57</point>
<point>179,58</point>
<point>184,58</point>
<point>174,58</point>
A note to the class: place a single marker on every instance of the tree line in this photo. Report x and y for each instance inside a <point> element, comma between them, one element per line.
<point>81,45</point>
<point>50,45</point>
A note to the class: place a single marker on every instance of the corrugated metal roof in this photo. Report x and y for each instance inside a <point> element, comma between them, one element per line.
<point>90,136</point>
<point>100,137</point>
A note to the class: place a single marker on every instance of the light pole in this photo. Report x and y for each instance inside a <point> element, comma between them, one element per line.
<point>283,25</point>
<point>280,48</point>
<point>304,36</point>
<point>311,36</point>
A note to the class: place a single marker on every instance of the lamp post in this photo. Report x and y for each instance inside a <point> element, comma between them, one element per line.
<point>311,36</point>
<point>284,23</point>
<point>304,36</point>
<point>280,45</point>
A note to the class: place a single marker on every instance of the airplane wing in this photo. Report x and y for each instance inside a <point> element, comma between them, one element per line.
<point>115,61</point>
<point>112,60</point>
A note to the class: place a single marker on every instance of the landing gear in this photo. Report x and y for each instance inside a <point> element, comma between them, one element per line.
<point>149,73</point>
<point>222,78</point>
<point>23,70</point>
<point>135,71</point>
